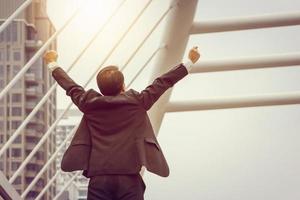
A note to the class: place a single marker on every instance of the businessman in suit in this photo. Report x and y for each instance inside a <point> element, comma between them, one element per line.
<point>115,137</point>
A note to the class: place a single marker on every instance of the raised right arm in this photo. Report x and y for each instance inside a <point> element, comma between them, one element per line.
<point>152,93</point>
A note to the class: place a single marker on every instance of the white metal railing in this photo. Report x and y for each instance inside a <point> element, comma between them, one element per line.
<point>49,161</point>
<point>235,102</point>
<point>48,185</point>
<point>14,15</point>
<point>36,56</point>
<point>146,63</point>
<point>255,62</point>
<point>248,22</point>
<point>148,35</point>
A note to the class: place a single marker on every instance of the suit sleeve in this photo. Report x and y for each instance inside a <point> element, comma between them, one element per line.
<point>75,91</point>
<point>151,94</point>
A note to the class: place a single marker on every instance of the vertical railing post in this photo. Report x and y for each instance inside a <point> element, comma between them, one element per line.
<point>176,35</point>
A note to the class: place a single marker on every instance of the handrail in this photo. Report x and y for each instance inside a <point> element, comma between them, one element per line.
<point>271,99</point>
<point>246,23</point>
<point>14,15</point>
<point>36,56</point>
<point>243,63</point>
<point>48,185</point>
<point>36,178</point>
<point>148,35</point>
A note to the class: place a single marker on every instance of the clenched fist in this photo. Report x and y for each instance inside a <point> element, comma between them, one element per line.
<point>194,55</point>
<point>50,56</point>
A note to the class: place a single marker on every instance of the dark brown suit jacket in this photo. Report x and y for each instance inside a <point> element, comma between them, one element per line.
<point>115,135</point>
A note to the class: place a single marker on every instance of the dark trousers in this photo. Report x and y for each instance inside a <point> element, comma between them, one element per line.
<point>116,187</point>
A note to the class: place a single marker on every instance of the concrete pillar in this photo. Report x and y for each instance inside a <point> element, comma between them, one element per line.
<point>176,35</point>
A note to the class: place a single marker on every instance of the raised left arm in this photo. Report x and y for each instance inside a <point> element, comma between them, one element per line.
<point>75,91</point>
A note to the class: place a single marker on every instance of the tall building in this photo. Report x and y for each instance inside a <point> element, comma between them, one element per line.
<point>18,43</point>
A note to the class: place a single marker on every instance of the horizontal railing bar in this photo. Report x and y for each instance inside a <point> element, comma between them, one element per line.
<point>248,22</point>
<point>274,99</point>
<point>255,62</point>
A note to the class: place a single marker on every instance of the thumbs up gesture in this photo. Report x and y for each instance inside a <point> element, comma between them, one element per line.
<point>194,55</point>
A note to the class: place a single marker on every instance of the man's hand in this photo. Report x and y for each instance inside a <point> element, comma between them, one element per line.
<point>194,55</point>
<point>50,56</point>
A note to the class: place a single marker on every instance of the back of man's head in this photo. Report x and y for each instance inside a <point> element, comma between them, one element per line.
<point>110,81</point>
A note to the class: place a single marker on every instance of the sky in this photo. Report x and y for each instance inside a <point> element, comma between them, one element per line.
<point>228,154</point>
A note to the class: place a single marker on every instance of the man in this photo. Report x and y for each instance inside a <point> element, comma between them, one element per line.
<point>115,137</point>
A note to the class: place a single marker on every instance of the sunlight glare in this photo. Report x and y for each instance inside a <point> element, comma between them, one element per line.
<point>94,13</point>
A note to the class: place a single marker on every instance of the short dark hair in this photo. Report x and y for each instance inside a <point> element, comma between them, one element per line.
<point>110,81</point>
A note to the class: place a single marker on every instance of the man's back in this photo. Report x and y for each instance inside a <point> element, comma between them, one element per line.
<point>117,124</point>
